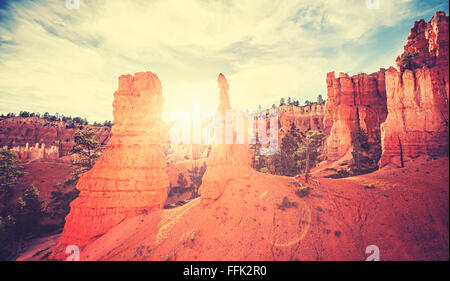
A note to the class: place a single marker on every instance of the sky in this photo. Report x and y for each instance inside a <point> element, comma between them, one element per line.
<point>55,59</point>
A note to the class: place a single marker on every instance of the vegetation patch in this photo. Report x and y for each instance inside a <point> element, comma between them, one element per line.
<point>341,173</point>
<point>302,191</point>
<point>286,204</point>
<point>369,186</point>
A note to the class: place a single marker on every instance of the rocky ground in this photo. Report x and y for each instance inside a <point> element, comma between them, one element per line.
<point>405,215</point>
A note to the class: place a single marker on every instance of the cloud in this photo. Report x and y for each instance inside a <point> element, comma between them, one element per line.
<point>67,61</point>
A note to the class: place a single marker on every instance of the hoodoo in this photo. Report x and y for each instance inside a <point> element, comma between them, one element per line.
<point>130,177</point>
<point>226,161</point>
<point>357,101</point>
<point>417,96</point>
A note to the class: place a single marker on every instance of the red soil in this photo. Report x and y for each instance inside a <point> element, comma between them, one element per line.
<point>405,215</point>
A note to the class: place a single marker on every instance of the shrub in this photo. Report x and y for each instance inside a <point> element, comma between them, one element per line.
<point>343,173</point>
<point>285,204</point>
<point>369,186</point>
<point>407,60</point>
<point>302,191</point>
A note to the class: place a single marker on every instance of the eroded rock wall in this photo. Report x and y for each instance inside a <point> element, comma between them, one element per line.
<point>36,152</point>
<point>415,120</point>
<point>354,101</point>
<point>304,118</point>
<point>417,96</point>
<point>16,132</point>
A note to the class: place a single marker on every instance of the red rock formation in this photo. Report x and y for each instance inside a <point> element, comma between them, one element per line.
<point>226,161</point>
<point>417,98</point>
<point>415,118</point>
<point>131,175</point>
<point>16,132</point>
<point>305,118</point>
<point>36,152</point>
<point>352,100</point>
<point>428,42</point>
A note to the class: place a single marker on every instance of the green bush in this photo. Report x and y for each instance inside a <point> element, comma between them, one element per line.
<point>407,60</point>
<point>302,191</point>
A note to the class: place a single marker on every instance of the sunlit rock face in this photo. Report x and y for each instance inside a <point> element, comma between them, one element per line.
<point>16,132</point>
<point>36,152</point>
<point>415,116</point>
<point>304,118</point>
<point>417,98</point>
<point>357,100</point>
<point>131,175</point>
<point>226,161</point>
<point>429,43</point>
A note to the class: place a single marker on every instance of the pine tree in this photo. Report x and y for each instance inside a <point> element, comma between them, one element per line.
<point>182,181</point>
<point>196,176</point>
<point>29,211</point>
<point>320,99</point>
<point>309,151</point>
<point>282,102</point>
<point>86,148</point>
<point>10,172</point>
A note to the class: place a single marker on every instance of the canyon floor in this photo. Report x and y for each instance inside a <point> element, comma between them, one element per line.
<point>406,215</point>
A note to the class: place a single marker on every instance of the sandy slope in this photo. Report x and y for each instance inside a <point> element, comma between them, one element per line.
<point>406,216</point>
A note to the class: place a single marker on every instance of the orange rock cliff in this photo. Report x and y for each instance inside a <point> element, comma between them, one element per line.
<point>305,118</point>
<point>54,139</point>
<point>354,101</point>
<point>417,98</point>
<point>407,108</point>
<point>130,177</point>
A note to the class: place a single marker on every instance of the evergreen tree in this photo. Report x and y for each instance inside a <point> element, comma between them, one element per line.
<point>196,176</point>
<point>86,151</point>
<point>86,148</point>
<point>309,151</point>
<point>182,181</point>
<point>289,144</point>
<point>283,162</point>
<point>59,205</point>
<point>320,99</point>
<point>28,211</point>
<point>10,172</point>
<point>282,102</point>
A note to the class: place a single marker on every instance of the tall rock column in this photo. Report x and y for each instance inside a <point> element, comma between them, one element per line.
<point>415,116</point>
<point>226,161</point>
<point>418,94</point>
<point>131,175</point>
<point>357,101</point>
